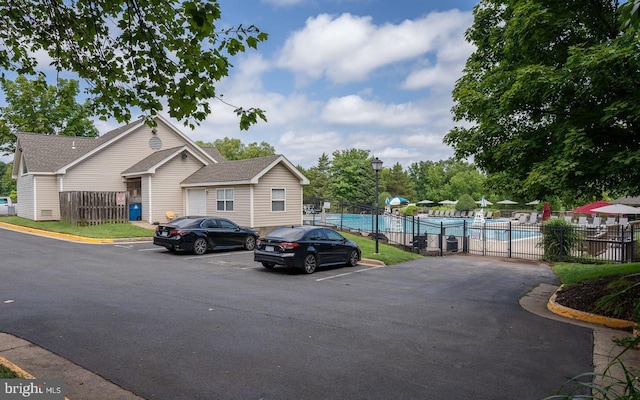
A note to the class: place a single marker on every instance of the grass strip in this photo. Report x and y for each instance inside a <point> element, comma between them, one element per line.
<point>572,273</point>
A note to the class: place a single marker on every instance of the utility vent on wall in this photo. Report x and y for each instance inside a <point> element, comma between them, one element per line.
<point>46,213</point>
<point>155,143</point>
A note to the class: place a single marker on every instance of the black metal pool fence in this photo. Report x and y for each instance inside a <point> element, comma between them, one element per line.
<point>501,237</point>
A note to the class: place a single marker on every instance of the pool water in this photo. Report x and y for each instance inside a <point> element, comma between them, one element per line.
<point>453,226</point>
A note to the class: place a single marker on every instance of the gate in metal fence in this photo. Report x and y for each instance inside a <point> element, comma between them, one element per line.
<point>499,238</point>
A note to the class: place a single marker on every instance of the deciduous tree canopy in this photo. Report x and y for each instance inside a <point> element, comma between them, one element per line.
<point>144,54</point>
<point>234,149</point>
<point>551,98</point>
<point>36,107</point>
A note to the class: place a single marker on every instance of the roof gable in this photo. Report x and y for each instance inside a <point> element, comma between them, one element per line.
<point>239,171</point>
<point>155,160</point>
<point>55,154</point>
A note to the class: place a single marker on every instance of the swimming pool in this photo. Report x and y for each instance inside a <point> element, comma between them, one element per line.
<point>498,229</point>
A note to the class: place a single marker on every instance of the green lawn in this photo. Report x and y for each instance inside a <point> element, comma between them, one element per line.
<point>388,254</point>
<point>6,373</point>
<point>571,273</point>
<point>105,231</point>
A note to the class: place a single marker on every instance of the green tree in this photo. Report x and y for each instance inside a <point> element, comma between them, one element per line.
<point>319,177</point>
<point>352,178</point>
<point>398,182</point>
<point>34,106</point>
<point>447,179</point>
<point>234,149</point>
<point>132,53</point>
<point>7,184</point>
<point>550,98</point>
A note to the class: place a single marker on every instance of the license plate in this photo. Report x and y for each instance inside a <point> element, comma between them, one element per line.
<point>269,248</point>
<point>165,233</point>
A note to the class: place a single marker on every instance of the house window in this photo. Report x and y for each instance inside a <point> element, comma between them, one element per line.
<point>225,199</point>
<point>277,199</point>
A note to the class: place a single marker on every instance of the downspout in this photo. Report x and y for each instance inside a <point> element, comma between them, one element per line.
<point>252,222</point>
<point>149,198</point>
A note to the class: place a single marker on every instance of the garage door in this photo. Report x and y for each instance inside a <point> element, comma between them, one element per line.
<point>196,202</point>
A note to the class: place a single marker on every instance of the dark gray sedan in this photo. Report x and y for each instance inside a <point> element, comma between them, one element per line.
<point>200,234</point>
<point>306,247</point>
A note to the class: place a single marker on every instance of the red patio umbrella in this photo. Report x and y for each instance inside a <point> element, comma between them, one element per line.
<point>588,208</point>
<point>546,211</point>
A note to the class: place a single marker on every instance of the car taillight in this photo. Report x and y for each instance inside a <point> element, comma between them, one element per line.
<point>175,232</point>
<point>288,245</point>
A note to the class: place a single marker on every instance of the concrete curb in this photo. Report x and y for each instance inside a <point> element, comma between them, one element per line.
<point>567,312</point>
<point>80,383</point>
<point>608,356</point>
<point>69,237</point>
<point>370,261</point>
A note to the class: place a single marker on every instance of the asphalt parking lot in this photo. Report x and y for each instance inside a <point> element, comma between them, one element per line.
<point>179,326</point>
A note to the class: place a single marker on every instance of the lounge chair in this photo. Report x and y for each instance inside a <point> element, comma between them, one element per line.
<point>533,218</point>
<point>568,218</point>
<point>457,214</point>
<point>583,221</point>
<point>522,219</point>
<point>610,221</point>
<point>623,221</point>
<point>596,221</point>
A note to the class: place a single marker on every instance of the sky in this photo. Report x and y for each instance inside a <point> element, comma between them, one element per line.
<point>375,75</point>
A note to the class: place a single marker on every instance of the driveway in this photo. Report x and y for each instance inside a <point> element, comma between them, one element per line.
<point>221,326</point>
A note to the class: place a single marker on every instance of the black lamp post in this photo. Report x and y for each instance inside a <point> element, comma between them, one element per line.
<point>377,166</point>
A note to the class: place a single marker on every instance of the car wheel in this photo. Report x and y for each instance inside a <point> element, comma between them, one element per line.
<point>268,265</point>
<point>353,259</point>
<point>310,264</point>
<point>200,246</point>
<point>250,242</point>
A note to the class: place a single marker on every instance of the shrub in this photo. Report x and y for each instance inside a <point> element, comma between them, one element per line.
<point>559,238</point>
<point>466,203</point>
<point>410,210</point>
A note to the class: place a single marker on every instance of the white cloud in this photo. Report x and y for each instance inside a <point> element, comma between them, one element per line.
<point>354,110</point>
<point>348,48</point>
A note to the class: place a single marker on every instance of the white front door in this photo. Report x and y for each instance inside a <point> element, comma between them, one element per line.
<point>196,202</point>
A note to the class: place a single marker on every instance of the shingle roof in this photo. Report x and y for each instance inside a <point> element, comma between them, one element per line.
<point>48,153</point>
<point>150,161</point>
<point>215,153</point>
<point>230,171</point>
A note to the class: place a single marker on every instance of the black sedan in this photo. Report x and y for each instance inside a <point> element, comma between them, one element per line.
<point>306,247</point>
<point>199,234</point>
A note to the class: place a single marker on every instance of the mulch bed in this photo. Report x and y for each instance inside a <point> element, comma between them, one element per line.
<point>585,296</point>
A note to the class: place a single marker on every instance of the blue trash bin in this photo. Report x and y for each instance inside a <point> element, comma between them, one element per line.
<point>135,212</point>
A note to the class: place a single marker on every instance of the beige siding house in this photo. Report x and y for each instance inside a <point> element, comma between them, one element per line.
<point>162,170</point>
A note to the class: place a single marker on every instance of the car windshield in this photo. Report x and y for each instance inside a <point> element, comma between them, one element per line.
<point>289,234</point>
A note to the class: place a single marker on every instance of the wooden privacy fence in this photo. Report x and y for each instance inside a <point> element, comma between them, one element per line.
<point>94,208</point>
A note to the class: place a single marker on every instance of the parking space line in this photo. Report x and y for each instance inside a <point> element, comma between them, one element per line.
<point>349,273</point>
<point>217,255</point>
